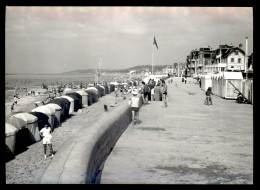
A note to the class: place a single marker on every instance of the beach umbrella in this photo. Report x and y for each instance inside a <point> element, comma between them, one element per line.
<point>10,137</point>
<point>84,96</point>
<point>71,110</point>
<point>42,119</point>
<point>50,112</point>
<point>31,124</point>
<point>58,110</point>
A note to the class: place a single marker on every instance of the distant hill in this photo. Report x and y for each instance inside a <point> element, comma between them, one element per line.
<point>138,69</point>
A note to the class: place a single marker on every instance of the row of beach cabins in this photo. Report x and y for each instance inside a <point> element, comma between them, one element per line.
<point>22,129</point>
<point>227,85</point>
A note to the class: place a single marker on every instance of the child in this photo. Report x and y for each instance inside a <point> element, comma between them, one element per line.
<point>208,95</point>
<point>135,104</point>
<point>46,134</point>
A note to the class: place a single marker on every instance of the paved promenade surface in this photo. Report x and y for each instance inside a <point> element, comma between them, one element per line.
<point>185,143</point>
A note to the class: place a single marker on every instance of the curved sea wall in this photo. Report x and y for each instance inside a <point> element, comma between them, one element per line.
<point>82,156</point>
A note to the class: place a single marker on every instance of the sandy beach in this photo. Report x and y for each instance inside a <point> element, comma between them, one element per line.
<point>29,166</point>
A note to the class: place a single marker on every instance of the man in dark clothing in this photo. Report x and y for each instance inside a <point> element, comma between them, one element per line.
<point>150,85</point>
<point>146,92</point>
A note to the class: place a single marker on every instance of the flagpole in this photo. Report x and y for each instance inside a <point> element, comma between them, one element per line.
<point>152,58</point>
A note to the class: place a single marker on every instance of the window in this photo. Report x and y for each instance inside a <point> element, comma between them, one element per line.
<point>236,52</point>
<point>232,60</point>
<point>222,68</point>
<point>239,60</point>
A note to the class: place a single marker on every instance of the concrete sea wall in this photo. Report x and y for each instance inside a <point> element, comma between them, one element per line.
<point>81,158</point>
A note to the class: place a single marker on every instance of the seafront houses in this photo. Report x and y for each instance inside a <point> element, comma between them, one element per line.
<point>205,60</point>
<point>198,59</point>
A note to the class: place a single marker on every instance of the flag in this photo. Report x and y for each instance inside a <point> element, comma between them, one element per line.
<point>154,42</point>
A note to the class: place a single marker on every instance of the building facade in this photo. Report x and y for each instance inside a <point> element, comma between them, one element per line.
<point>225,58</point>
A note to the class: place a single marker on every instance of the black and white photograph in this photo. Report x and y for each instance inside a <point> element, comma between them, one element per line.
<point>129,95</point>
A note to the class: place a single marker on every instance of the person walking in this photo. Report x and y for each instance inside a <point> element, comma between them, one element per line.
<point>146,93</point>
<point>200,82</point>
<point>164,93</point>
<point>141,91</point>
<point>135,104</point>
<point>208,96</point>
<point>157,92</point>
<point>46,134</point>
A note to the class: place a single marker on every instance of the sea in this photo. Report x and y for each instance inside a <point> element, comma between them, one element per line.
<point>32,80</point>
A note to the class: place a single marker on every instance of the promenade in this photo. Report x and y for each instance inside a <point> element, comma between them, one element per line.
<point>186,143</point>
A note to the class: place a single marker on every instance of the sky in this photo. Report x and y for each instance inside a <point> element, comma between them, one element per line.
<point>51,40</point>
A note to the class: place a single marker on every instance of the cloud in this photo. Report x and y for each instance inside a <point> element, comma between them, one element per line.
<point>64,38</point>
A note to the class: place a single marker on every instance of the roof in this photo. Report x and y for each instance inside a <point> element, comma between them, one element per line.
<point>41,116</point>
<point>206,76</point>
<point>55,106</point>
<point>62,102</point>
<point>44,109</point>
<point>28,118</point>
<point>232,75</point>
<point>229,51</point>
<point>17,122</point>
<point>10,130</point>
<point>68,98</point>
<point>82,93</point>
<point>72,95</point>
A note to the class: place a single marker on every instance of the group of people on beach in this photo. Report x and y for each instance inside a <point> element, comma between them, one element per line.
<point>147,92</point>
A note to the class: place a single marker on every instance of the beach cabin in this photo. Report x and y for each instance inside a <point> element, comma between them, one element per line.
<point>206,82</point>
<point>76,101</point>
<point>64,104</point>
<point>112,87</point>
<point>10,137</point>
<point>106,89</point>
<point>84,96</point>
<point>71,110</point>
<point>58,110</point>
<point>22,135</point>
<point>93,92</point>
<point>247,89</point>
<point>223,87</point>
<point>50,112</point>
<point>31,124</point>
<point>67,90</point>
<point>42,119</point>
<point>217,84</point>
<point>102,90</point>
